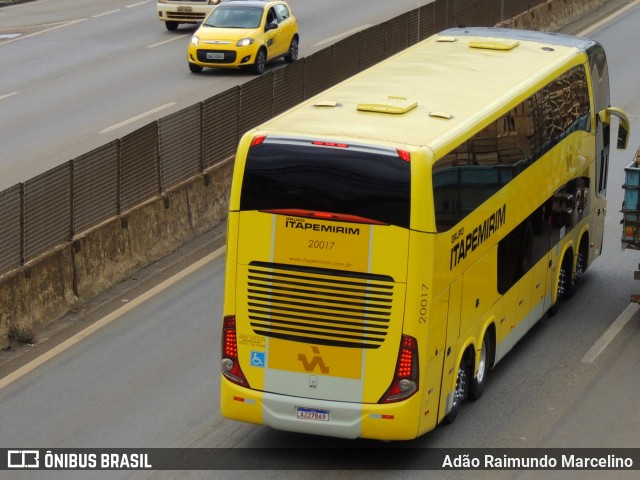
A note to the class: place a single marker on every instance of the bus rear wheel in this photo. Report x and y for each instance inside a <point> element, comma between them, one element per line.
<point>583,258</point>
<point>484,365</point>
<point>566,283</point>
<point>459,393</point>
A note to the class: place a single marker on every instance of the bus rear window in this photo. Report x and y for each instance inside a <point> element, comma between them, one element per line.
<point>372,183</point>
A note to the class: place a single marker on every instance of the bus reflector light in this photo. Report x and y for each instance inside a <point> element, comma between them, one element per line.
<point>230,365</point>
<point>404,155</point>
<point>258,140</point>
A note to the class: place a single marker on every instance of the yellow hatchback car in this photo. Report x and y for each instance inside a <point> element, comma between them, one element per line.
<point>245,33</point>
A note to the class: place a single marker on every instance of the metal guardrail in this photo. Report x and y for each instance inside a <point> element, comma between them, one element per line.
<point>52,208</point>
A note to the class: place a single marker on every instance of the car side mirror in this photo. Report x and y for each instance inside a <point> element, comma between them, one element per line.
<point>272,26</point>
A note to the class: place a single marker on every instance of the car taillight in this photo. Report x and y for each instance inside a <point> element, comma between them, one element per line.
<point>405,380</point>
<point>230,366</point>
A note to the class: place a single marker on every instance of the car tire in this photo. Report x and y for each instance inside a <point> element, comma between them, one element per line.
<point>261,62</point>
<point>171,26</point>
<point>292,56</point>
<point>195,68</point>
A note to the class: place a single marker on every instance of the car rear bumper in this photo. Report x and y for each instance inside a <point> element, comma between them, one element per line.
<point>183,14</point>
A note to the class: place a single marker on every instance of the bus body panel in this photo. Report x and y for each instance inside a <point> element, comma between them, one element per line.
<point>289,278</point>
<point>365,245</point>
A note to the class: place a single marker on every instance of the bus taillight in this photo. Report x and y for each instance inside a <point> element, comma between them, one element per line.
<point>230,366</point>
<point>405,380</point>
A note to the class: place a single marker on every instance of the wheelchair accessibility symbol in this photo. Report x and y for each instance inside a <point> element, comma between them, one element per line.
<point>257,359</point>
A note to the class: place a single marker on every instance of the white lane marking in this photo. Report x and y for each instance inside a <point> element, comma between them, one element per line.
<point>136,4</point>
<point>340,35</point>
<point>614,329</point>
<point>66,24</point>
<point>12,377</point>
<point>105,13</point>
<point>8,95</point>
<point>590,29</point>
<point>170,40</point>
<point>138,117</point>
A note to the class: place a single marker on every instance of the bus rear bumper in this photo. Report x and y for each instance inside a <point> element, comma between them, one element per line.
<point>350,420</point>
<point>341,419</point>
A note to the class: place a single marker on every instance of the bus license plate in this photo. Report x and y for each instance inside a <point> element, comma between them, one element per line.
<point>312,414</point>
<point>215,56</point>
<point>182,8</point>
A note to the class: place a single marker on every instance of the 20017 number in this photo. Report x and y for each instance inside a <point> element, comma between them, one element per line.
<point>423,304</point>
<point>321,244</point>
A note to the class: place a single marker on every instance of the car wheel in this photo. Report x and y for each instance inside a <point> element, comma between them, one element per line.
<point>261,62</point>
<point>172,26</point>
<point>195,68</point>
<point>292,56</point>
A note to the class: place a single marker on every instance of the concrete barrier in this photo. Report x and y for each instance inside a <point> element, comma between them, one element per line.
<point>48,287</point>
<point>553,15</point>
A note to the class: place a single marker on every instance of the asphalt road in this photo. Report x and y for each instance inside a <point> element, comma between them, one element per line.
<point>149,378</point>
<point>77,75</point>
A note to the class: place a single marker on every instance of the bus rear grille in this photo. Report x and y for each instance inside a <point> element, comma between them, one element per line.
<point>320,306</point>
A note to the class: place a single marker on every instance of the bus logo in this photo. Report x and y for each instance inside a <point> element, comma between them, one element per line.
<point>316,361</point>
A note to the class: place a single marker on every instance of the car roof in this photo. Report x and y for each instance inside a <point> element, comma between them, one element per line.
<point>251,3</point>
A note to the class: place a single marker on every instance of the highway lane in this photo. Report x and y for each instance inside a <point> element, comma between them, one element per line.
<point>82,74</point>
<point>149,378</point>
<point>132,382</point>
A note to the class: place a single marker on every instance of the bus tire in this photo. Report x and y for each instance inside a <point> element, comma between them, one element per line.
<point>583,258</point>
<point>566,283</point>
<point>565,286</point>
<point>171,26</point>
<point>460,392</point>
<point>484,365</point>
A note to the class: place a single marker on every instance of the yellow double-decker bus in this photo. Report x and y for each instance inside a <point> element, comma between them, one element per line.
<point>392,238</point>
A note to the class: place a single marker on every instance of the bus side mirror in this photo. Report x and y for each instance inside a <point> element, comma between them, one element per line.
<point>623,125</point>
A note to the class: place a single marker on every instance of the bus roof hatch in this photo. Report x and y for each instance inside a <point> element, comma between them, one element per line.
<point>495,44</point>
<point>395,105</point>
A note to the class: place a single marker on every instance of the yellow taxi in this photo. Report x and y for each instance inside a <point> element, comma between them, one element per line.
<point>245,33</point>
